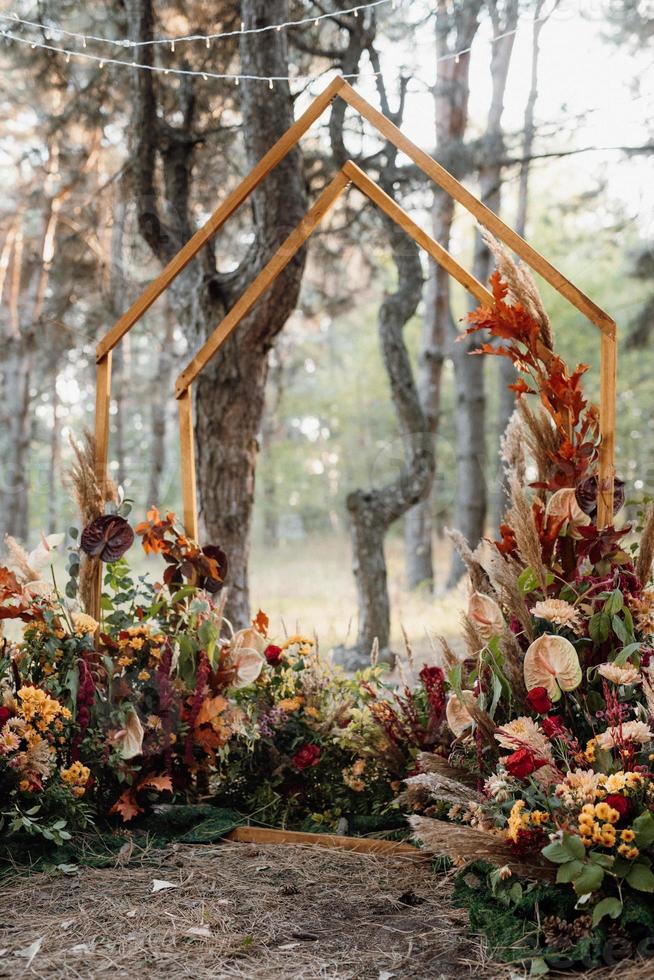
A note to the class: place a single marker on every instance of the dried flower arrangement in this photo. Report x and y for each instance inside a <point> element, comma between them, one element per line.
<point>553,708</point>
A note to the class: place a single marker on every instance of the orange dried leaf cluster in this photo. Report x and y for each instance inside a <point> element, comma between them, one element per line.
<point>560,390</point>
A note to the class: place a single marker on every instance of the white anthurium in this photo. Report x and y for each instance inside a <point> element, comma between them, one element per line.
<point>551,662</point>
<point>249,664</point>
<point>250,638</point>
<point>43,553</point>
<point>457,714</point>
<point>563,506</point>
<point>247,657</point>
<point>485,615</point>
<point>129,740</point>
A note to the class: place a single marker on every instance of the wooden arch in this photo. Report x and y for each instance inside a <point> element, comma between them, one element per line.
<point>350,174</point>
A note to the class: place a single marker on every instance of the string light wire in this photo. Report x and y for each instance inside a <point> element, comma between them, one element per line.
<point>103,60</point>
<point>205,38</point>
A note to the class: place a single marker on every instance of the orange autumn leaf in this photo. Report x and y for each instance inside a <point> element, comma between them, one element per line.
<point>261,623</point>
<point>161,783</point>
<point>210,712</point>
<point>126,806</point>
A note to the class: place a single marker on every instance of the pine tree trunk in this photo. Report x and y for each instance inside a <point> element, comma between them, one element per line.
<point>506,370</point>
<point>472,472</point>
<point>372,511</point>
<point>229,394</point>
<point>456,27</point>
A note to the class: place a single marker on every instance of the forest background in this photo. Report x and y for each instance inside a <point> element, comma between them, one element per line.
<point>369,429</point>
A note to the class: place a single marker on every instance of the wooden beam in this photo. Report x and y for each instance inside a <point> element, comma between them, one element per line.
<point>483,214</point>
<point>267,163</point>
<point>606,473</point>
<point>102,405</point>
<point>372,190</point>
<point>187,463</point>
<point>361,845</point>
<point>264,280</point>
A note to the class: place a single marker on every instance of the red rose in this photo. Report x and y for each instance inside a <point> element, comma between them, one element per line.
<point>619,803</point>
<point>553,726</point>
<point>273,654</point>
<point>522,763</point>
<point>5,714</point>
<point>306,756</point>
<point>539,700</point>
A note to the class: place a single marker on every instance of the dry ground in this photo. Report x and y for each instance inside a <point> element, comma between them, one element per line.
<point>252,913</point>
<point>238,911</point>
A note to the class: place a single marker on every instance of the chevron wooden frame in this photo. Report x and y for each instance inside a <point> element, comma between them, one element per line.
<point>350,174</point>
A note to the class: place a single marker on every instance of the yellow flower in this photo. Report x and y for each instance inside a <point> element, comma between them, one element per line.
<point>627,836</point>
<point>602,811</point>
<point>24,785</point>
<point>518,820</point>
<point>290,704</point>
<point>589,751</point>
<point>76,776</point>
<point>143,675</point>
<point>538,817</point>
<point>312,712</point>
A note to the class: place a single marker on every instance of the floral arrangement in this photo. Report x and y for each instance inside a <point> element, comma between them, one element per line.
<point>161,701</point>
<point>548,774</point>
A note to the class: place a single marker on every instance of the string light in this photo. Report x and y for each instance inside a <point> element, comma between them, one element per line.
<point>205,75</point>
<point>187,38</point>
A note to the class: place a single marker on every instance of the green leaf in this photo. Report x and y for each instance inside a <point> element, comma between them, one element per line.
<point>620,629</point>
<point>538,967</point>
<point>614,603</point>
<point>641,878</point>
<point>626,653</point>
<point>599,627</point>
<point>604,860</point>
<point>527,581</point>
<point>608,906</point>
<point>644,829</point>
<point>569,871</point>
<point>589,880</point>
<point>570,848</point>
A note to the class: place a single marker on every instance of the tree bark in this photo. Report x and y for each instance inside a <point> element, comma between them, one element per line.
<point>471,494</point>
<point>372,511</point>
<point>506,370</point>
<point>456,26</point>
<point>159,414</point>
<point>229,395</point>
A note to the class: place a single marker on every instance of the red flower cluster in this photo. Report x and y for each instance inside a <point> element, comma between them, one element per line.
<point>306,757</point>
<point>539,700</point>
<point>619,803</point>
<point>273,654</point>
<point>522,763</point>
<point>433,680</point>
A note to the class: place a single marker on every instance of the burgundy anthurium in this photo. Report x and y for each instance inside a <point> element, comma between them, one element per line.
<point>107,537</point>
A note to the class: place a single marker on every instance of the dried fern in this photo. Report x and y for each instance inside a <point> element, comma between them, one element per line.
<point>467,844</point>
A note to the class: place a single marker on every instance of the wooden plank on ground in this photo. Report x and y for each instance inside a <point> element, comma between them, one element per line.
<point>361,845</point>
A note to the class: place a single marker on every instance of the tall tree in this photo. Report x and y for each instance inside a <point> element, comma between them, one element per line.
<point>229,395</point>
<point>456,25</point>
<point>506,371</point>
<point>471,493</point>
